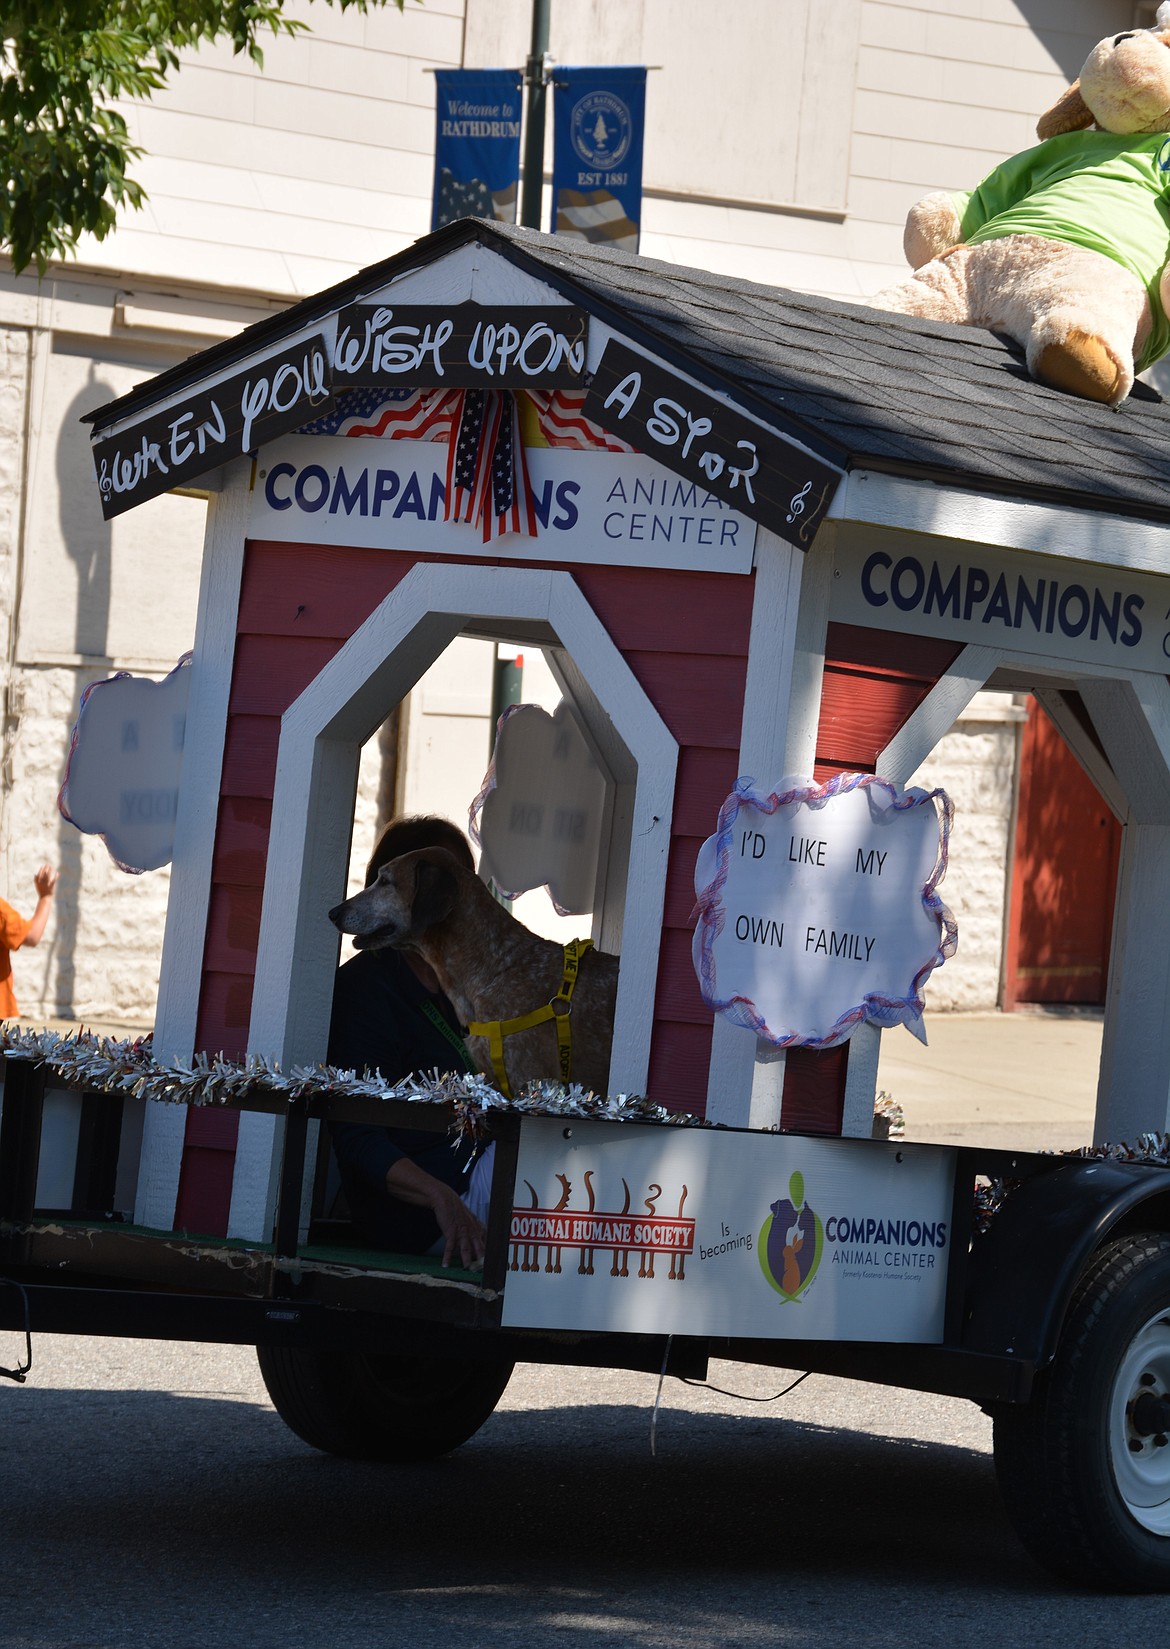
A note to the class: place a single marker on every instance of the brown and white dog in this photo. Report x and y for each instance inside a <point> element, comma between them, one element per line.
<point>488,965</point>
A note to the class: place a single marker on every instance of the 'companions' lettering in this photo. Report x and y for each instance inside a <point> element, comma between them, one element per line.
<point>1016,601</point>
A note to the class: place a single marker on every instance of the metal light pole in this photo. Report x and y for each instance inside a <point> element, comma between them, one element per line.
<point>530,198</point>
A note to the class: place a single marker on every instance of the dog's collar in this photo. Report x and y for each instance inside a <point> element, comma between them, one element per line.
<point>559,1009</point>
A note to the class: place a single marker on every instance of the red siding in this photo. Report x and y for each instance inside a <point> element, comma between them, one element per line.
<point>677,1050</point>
<point>300,602</point>
<point>328,593</point>
<point>684,635</point>
<point>689,612</point>
<point>249,757</point>
<point>241,841</point>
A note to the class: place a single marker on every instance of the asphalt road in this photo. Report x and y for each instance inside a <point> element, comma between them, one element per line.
<point>150,1496</point>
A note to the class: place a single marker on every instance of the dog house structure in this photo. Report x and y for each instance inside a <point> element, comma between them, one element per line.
<point>761,534</point>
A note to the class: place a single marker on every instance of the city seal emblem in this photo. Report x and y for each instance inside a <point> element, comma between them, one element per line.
<point>601,129</point>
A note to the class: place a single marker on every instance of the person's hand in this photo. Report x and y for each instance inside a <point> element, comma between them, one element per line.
<point>464,1236</point>
<point>45,882</point>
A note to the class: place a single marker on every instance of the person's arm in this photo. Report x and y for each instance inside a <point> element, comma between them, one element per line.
<point>45,882</point>
<point>464,1236</point>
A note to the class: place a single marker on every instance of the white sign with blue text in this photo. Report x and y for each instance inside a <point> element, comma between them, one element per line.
<point>1003,598</point>
<point>675,1230</point>
<point>617,508</point>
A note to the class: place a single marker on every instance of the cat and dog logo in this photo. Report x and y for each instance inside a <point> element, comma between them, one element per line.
<point>792,1240</point>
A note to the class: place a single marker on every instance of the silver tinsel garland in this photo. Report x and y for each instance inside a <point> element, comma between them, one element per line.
<point>1151,1149</point>
<point>129,1067</point>
<point>103,1064</point>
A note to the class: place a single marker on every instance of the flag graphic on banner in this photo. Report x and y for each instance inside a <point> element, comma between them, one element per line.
<point>477,145</point>
<point>472,200</point>
<point>598,121</point>
<point>595,215</point>
<point>540,417</point>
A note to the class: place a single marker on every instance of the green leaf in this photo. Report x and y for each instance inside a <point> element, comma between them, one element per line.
<point>64,151</point>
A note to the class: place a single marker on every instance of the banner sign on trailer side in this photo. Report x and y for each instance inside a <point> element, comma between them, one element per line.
<point>755,470</point>
<point>663,1230</point>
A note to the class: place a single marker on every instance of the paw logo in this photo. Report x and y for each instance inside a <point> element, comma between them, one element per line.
<point>792,1239</point>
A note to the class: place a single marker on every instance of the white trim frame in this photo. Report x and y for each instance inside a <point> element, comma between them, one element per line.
<point>1131,715</point>
<point>1064,531</point>
<point>180,972</point>
<point>321,738</point>
<point>782,695</point>
<point>901,758</point>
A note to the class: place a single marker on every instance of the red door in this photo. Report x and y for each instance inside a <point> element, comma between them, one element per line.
<point>1063,878</point>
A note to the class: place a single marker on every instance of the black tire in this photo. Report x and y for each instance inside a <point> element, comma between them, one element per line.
<point>381,1407</point>
<point>1084,1468</point>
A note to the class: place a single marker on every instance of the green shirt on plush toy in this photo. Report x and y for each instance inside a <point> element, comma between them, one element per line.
<point>1064,248</point>
<point>1092,189</point>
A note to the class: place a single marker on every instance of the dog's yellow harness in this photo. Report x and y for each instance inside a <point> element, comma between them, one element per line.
<point>559,1009</point>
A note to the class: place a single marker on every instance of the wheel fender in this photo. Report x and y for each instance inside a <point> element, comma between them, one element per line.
<point>1026,1265</point>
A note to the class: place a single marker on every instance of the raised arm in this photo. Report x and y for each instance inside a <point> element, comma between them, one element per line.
<point>45,882</point>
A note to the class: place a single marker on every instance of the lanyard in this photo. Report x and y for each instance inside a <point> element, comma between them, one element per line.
<point>452,1035</point>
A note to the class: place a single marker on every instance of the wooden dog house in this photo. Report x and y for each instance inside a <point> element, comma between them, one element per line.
<point>804,534</point>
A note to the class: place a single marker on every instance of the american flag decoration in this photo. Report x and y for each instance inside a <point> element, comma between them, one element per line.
<point>487,474</point>
<point>563,424</point>
<point>397,414</point>
<point>487,481</point>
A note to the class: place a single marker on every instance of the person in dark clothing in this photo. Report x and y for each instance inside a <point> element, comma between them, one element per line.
<point>405,1187</point>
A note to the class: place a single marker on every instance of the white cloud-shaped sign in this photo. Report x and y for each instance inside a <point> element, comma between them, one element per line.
<point>818,907</point>
<point>541,807</point>
<point>122,781</point>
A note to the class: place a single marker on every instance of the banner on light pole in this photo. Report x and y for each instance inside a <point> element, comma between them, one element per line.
<point>598,127</point>
<point>477,145</point>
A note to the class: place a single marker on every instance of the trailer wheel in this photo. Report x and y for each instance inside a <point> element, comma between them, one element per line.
<point>1085,1466</point>
<point>368,1407</point>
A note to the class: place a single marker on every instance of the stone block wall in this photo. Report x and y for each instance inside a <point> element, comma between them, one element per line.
<point>976,764</point>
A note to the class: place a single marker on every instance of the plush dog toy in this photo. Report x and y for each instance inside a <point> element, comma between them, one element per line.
<point>1064,248</point>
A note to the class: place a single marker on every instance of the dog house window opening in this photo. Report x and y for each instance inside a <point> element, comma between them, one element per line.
<point>433,750</point>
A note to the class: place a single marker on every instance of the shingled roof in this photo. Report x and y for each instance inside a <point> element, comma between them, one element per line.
<point>860,387</point>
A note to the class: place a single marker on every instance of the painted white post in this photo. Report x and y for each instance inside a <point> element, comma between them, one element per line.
<point>786,655</point>
<point>164,1125</point>
<point>1133,1094</point>
<point>898,762</point>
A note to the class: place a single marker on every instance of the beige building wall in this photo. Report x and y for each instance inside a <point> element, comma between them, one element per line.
<point>785,141</point>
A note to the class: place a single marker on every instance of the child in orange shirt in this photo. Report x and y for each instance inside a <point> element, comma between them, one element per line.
<point>16,930</point>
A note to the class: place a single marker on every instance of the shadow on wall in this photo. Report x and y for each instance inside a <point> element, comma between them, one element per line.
<point>1068,50</point>
<point>87,539</point>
